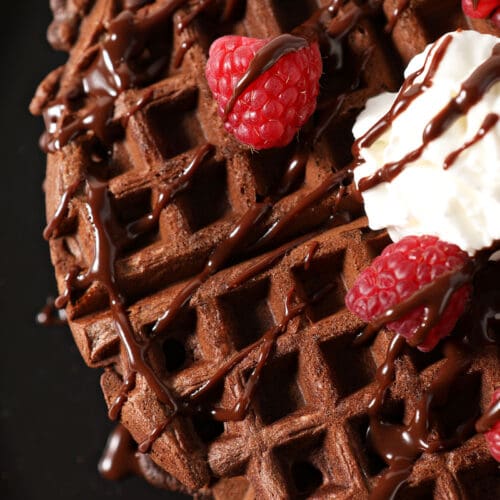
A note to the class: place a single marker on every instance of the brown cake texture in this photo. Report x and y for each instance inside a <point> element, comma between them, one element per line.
<point>207,280</point>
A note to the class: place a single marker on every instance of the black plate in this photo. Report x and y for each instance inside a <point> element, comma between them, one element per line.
<point>53,422</point>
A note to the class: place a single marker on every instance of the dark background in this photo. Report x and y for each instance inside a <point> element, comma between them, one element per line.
<point>53,423</point>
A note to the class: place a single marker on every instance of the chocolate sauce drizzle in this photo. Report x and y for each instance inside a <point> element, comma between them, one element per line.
<point>125,36</point>
<point>166,193</point>
<point>61,210</point>
<point>489,122</point>
<point>267,261</point>
<point>265,58</point>
<point>401,445</point>
<point>182,51</point>
<point>145,446</point>
<point>265,346</point>
<point>102,80</point>
<point>433,297</point>
<point>121,60</point>
<point>471,91</point>
<point>102,270</point>
<point>311,31</point>
<point>124,41</point>
<point>313,247</point>
<point>407,94</point>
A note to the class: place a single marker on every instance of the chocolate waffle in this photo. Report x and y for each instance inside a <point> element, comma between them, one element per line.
<point>208,280</point>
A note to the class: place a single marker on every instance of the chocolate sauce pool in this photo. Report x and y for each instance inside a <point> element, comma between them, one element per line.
<point>109,69</point>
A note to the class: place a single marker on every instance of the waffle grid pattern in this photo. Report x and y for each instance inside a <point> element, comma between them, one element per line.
<point>304,435</point>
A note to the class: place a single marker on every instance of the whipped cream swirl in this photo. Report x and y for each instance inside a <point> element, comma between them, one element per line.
<point>451,188</point>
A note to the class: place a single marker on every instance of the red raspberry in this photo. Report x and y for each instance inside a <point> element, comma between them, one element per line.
<point>482,10</point>
<point>399,272</point>
<point>275,105</point>
<point>493,435</point>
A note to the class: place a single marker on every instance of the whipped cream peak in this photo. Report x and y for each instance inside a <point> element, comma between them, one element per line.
<point>429,156</point>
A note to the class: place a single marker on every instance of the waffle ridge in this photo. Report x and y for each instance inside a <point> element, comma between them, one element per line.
<point>304,434</point>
